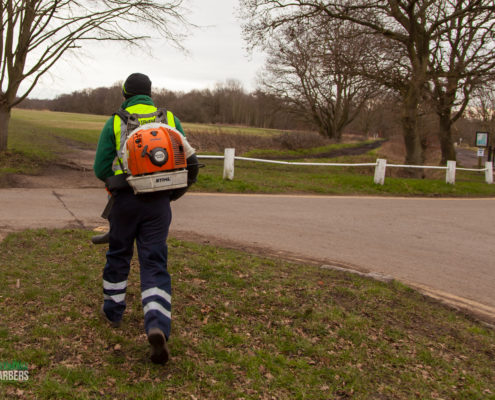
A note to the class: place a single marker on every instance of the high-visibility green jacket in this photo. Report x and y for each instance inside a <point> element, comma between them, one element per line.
<point>109,141</point>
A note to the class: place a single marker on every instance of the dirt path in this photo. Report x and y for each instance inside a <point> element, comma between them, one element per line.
<point>74,172</point>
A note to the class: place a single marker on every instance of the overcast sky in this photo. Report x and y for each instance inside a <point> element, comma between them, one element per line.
<point>216,53</point>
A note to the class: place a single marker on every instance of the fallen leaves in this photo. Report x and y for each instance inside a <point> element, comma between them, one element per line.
<point>242,328</point>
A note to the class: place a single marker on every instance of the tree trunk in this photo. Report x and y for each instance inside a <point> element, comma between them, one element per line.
<point>4,126</point>
<point>328,130</point>
<point>409,119</point>
<point>445,137</point>
<point>412,140</point>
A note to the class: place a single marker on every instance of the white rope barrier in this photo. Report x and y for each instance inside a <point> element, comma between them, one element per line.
<point>415,166</point>
<point>302,163</point>
<point>472,169</point>
<point>380,166</point>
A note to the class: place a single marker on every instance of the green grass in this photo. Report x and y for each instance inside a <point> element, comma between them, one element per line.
<point>244,327</point>
<point>250,177</point>
<point>82,129</point>
<point>92,124</point>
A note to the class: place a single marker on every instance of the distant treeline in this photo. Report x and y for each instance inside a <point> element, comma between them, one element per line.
<point>230,104</point>
<point>226,104</point>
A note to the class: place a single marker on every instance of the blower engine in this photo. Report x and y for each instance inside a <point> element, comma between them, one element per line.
<point>155,158</point>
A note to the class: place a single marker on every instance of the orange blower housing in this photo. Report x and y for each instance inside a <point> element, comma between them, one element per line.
<point>156,149</point>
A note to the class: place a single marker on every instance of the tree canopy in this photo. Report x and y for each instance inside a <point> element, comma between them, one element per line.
<point>420,45</point>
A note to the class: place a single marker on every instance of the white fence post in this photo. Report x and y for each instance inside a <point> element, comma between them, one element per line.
<point>450,177</point>
<point>228,164</point>
<point>489,172</point>
<point>381,166</point>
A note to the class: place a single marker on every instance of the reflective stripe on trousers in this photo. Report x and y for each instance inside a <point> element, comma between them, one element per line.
<point>146,219</point>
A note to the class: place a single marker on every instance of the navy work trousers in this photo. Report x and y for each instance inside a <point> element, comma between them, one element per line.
<point>145,218</point>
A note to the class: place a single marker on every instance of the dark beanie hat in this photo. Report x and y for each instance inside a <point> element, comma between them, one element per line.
<point>136,84</point>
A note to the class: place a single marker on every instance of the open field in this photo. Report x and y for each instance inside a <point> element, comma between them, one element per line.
<point>244,327</point>
<point>60,119</point>
<point>208,128</point>
<point>86,127</point>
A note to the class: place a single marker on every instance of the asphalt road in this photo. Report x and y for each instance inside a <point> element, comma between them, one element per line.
<point>444,247</point>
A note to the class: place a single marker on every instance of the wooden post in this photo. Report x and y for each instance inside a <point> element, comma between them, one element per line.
<point>489,172</point>
<point>450,177</point>
<point>381,166</point>
<point>481,153</point>
<point>228,164</point>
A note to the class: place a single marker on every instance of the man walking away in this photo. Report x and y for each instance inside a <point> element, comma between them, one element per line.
<point>144,218</point>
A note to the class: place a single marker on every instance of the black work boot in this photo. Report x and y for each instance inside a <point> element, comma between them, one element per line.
<point>159,349</point>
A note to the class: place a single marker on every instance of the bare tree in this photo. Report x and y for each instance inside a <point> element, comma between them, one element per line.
<point>483,109</point>
<point>411,26</point>
<point>462,60</point>
<point>231,101</point>
<point>314,70</point>
<point>379,117</point>
<point>35,34</point>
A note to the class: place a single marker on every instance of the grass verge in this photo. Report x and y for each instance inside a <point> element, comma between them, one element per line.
<point>244,327</point>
